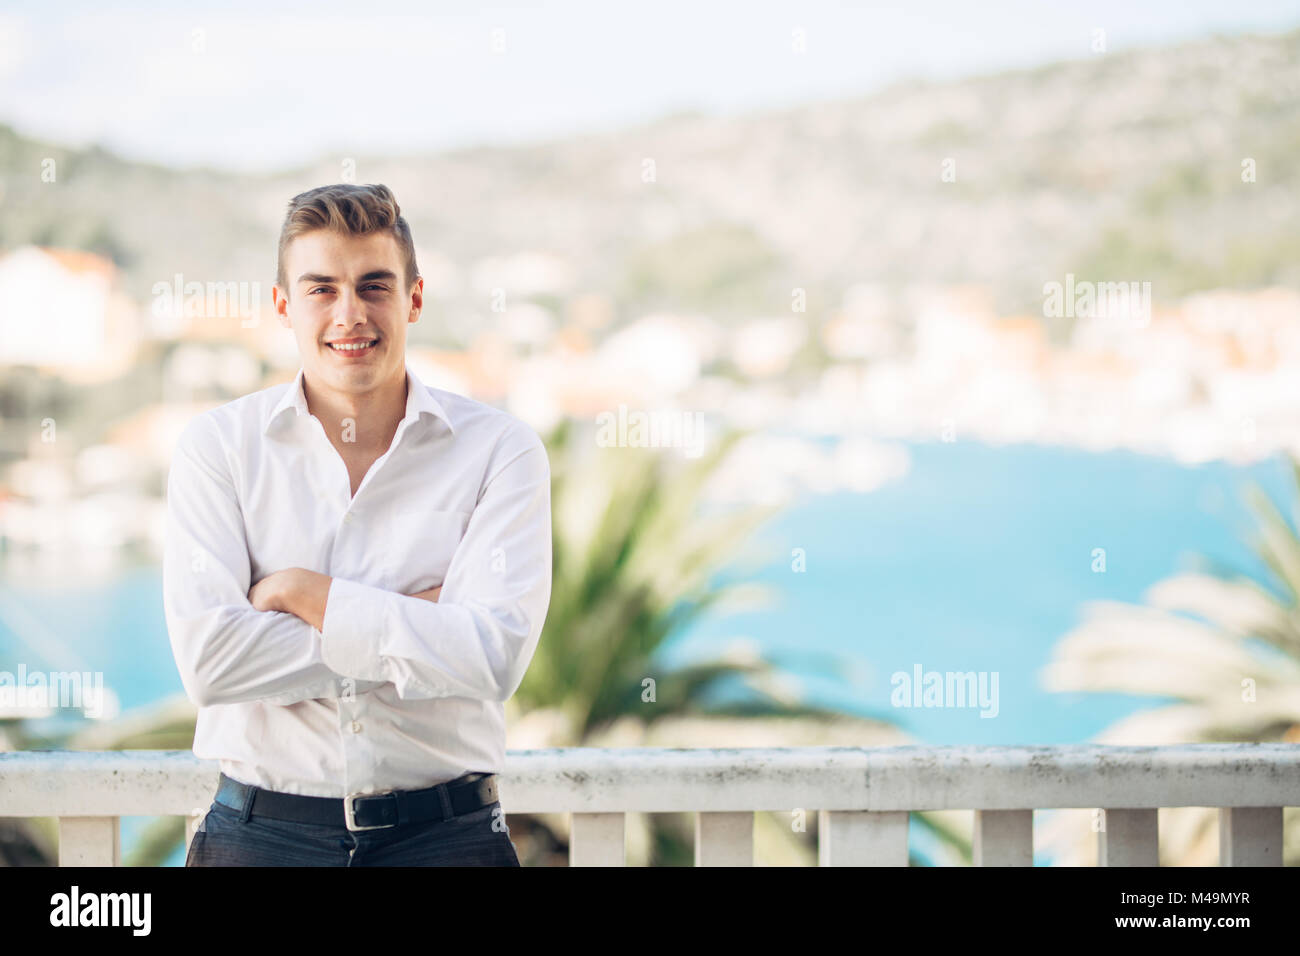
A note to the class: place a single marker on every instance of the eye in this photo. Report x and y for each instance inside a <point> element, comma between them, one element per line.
<point>317,289</point>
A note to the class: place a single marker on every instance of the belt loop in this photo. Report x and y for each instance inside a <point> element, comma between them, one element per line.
<point>247,794</point>
<point>399,796</point>
<point>446,801</point>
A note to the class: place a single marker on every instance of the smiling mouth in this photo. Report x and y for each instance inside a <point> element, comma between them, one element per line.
<point>358,347</point>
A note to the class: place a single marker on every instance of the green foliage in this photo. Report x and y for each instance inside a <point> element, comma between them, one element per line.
<point>1278,546</point>
<point>1140,254</point>
<point>1181,184</point>
<point>626,581</point>
<point>724,266</point>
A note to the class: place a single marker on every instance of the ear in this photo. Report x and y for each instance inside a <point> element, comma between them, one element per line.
<point>281,302</point>
<point>417,300</point>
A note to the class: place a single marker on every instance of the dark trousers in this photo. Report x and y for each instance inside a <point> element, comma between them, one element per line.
<point>228,837</point>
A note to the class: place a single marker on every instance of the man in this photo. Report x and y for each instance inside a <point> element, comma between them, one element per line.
<point>356,573</point>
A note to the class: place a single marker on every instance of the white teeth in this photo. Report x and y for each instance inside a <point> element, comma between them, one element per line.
<point>351,348</point>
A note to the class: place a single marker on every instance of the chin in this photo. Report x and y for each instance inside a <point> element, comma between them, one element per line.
<point>355,376</point>
<point>360,375</point>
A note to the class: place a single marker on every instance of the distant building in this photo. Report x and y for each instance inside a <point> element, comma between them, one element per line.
<point>60,310</point>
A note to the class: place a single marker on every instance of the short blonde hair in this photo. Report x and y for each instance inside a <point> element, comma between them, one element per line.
<point>346,208</point>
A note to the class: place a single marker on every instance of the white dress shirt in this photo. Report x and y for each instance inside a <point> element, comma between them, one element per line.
<point>393,692</point>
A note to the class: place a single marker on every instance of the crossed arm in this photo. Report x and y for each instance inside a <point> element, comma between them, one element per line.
<point>304,594</point>
<point>298,634</point>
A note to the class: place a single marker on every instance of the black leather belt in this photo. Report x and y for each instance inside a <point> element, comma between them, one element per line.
<point>363,811</point>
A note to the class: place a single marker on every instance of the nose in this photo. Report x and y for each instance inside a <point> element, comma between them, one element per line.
<point>349,309</point>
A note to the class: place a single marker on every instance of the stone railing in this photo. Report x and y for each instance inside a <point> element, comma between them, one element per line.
<point>862,795</point>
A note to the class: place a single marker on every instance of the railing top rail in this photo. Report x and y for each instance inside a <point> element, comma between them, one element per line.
<point>659,780</point>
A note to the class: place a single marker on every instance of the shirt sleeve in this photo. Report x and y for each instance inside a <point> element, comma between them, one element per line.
<point>226,650</point>
<point>479,637</point>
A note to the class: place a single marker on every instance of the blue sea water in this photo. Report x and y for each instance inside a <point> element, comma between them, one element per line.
<point>980,559</point>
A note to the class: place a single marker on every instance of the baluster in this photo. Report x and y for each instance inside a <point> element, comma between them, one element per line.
<point>89,841</point>
<point>1250,836</point>
<point>1129,837</point>
<point>862,837</point>
<point>1004,838</point>
<point>724,839</point>
<point>597,839</point>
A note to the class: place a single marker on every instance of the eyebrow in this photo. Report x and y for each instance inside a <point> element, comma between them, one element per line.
<point>370,276</point>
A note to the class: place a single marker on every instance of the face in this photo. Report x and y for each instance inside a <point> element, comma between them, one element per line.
<point>348,306</point>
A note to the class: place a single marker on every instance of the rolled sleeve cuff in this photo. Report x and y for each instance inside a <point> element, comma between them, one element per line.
<point>352,628</point>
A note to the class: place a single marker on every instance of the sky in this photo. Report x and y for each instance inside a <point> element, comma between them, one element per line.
<point>257,86</point>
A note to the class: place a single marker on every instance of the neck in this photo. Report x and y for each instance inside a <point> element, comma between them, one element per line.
<point>374,414</point>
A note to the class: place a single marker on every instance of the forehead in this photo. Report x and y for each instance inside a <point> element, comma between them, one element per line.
<point>323,250</point>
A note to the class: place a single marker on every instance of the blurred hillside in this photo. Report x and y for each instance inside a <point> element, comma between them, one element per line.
<point>1124,166</point>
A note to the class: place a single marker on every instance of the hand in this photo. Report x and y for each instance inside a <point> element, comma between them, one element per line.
<point>268,593</point>
<point>296,590</point>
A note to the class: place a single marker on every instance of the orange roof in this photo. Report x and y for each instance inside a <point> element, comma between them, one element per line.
<point>1026,325</point>
<point>76,260</point>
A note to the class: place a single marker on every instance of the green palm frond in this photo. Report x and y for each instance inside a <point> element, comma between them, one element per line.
<point>1221,650</point>
<point>1278,546</point>
<point>949,836</point>
<point>628,577</point>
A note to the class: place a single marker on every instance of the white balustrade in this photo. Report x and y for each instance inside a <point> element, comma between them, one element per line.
<point>863,796</point>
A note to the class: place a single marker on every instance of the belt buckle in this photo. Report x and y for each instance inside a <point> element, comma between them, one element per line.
<point>349,812</point>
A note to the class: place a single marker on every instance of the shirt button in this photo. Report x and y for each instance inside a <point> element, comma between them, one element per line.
<point>356,726</point>
<point>347,518</point>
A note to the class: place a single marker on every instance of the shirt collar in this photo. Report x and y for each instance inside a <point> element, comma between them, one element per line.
<point>419,400</point>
